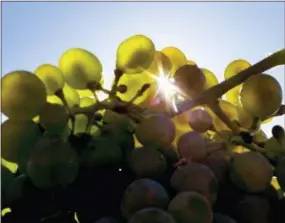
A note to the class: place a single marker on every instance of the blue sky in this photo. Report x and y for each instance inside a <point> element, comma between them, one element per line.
<point>212,34</point>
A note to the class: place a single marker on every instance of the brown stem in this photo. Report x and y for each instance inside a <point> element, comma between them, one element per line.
<point>217,91</point>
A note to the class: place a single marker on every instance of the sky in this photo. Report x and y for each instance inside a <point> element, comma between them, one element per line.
<point>211,34</point>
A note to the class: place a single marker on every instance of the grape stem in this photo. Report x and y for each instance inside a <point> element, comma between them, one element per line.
<point>251,146</point>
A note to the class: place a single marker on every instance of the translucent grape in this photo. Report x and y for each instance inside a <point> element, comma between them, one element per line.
<point>135,54</point>
<point>52,78</point>
<point>211,79</point>
<point>260,137</point>
<point>53,117</point>
<point>190,79</point>
<point>176,57</point>
<point>191,62</point>
<point>53,163</point>
<point>190,207</point>
<point>23,95</point>
<point>153,215</point>
<point>261,95</point>
<point>273,148</point>
<point>18,139</point>
<point>155,131</point>
<point>71,96</point>
<point>85,93</point>
<point>251,172</point>
<point>232,69</point>
<point>141,194</point>
<point>196,177</point>
<point>80,68</point>
<point>86,102</point>
<point>161,65</point>
<point>80,124</point>
<point>181,122</point>
<point>245,119</point>
<point>54,100</point>
<point>200,120</point>
<point>147,162</point>
<point>13,167</point>
<point>192,145</point>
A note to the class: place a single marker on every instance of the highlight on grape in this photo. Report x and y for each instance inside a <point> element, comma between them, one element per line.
<point>166,143</point>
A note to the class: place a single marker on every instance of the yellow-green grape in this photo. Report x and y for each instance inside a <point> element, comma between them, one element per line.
<point>53,117</point>
<point>181,122</point>
<point>191,62</point>
<point>85,93</point>
<point>5,211</point>
<point>260,137</point>
<point>190,79</point>
<point>51,76</point>
<point>86,102</point>
<point>81,122</point>
<point>261,95</point>
<point>71,96</point>
<point>53,99</point>
<point>94,131</point>
<point>251,172</point>
<point>135,54</point>
<point>18,139</point>
<point>53,163</point>
<point>149,134</point>
<point>10,165</point>
<point>230,110</point>
<point>160,66</point>
<point>200,120</point>
<point>189,207</point>
<point>134,82</point>
<point>23,95</point>
<point>211,79</point>
<point>232,69</point>
<point>267,120</point>
<point>245,119</point>
<point>80,68</point>
<point>274,148</point>
<point>176,57</point>
<point>191,145</point>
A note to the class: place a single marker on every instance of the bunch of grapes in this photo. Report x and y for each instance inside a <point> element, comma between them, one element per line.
<point>190,151</point>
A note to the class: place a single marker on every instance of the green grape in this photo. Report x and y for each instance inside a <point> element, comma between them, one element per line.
<point>148,162</point>
<point>190,79</point>
<point>18,139</point>
<point>80,68</point>
<point>191,62</point>
<point>86,102</point>
<point>280,173</point>
<point>153,215</point>
<point>245,119</point>
<point>134,83</point>
<point>181,122</point>
<point>200,120</point>
<point>160,66</point>
<point>101,152</point>
<point>273,148</point>
<point>196,177</point>
<point>141,194</point>
<point>191,145</point>
<point>251,172</point>
<point>53,99</point>
<point>261,95</point>
<point>189,207</point>
<point>176,57</point>
<point>52,163</point>
<point>135,54</point>
<point>116,123</point>
<point>230,110</point>
<point>85,93</point>
<point>232,69</point>
<point>211,79</point>
<point>71,96</point>
<point>23,95</point>
<point>260,137</point>
<point>149,135</point>
<point>13,167</point>
<point>7,179</point>
<point>80,125</point>
<point>53,117</point>
<point>51,76</point>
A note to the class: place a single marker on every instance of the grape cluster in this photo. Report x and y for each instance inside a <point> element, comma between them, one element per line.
<point>189,152</point>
